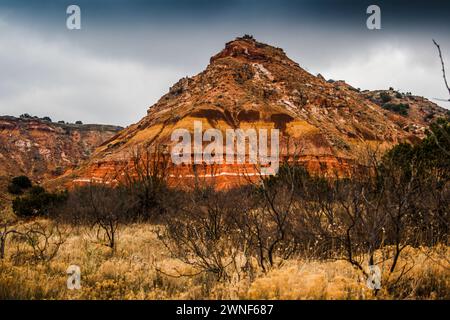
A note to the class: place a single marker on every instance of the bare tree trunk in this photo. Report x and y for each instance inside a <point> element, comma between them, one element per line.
<point>2,246</point>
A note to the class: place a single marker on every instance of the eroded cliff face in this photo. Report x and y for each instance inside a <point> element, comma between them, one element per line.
<point>43,150</point>
<point>253,85</point>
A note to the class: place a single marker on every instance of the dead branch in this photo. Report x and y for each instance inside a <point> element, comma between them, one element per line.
<point>443,66</point>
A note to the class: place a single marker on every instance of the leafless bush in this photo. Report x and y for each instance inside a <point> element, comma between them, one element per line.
<point>44,239</point>
<point>102,208</point>
<point>266,225</point>
<point>146,179</point>
<point>6,230</point>
<point>199,232</point>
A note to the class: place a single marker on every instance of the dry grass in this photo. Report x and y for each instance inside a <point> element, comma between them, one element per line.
<point>132,273</point>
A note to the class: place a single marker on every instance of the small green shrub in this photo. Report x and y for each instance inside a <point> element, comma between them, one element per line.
<point>19,184</point>
<point>14,189</point>
<point>401,108</point>
<point>385,97</point>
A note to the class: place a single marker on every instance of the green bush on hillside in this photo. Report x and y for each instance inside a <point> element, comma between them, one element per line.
<point>401,108</point>
<point>385,97</point>
<point>19,184</point>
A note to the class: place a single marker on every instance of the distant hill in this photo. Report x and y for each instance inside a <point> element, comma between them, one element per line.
<point>42,149</point>
<point>413,113</point>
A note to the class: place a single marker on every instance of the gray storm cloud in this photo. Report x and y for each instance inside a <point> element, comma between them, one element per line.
<point>112,74</point>
<point>43,77</point>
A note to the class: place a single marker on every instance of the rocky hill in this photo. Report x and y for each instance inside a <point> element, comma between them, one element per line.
<point>413,113</point>
<point>42,149</point>
<point>254,85</point>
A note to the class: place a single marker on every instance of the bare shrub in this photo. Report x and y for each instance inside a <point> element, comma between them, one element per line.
<point>266,225</point>
<point>102,208</point>
<point>200,233</point>
<point>145,177</point>
<point>6,230</point>
<point>44,238</point>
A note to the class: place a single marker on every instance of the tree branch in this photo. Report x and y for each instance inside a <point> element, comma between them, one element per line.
<point>443,66</point>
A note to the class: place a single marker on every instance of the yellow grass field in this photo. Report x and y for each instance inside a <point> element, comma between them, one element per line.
<point>141,268</point>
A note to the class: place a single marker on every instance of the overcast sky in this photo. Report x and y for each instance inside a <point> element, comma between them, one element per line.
<point>128,53</point>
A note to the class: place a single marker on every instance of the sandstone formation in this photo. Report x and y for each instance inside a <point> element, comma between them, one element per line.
<point>249,84</point>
